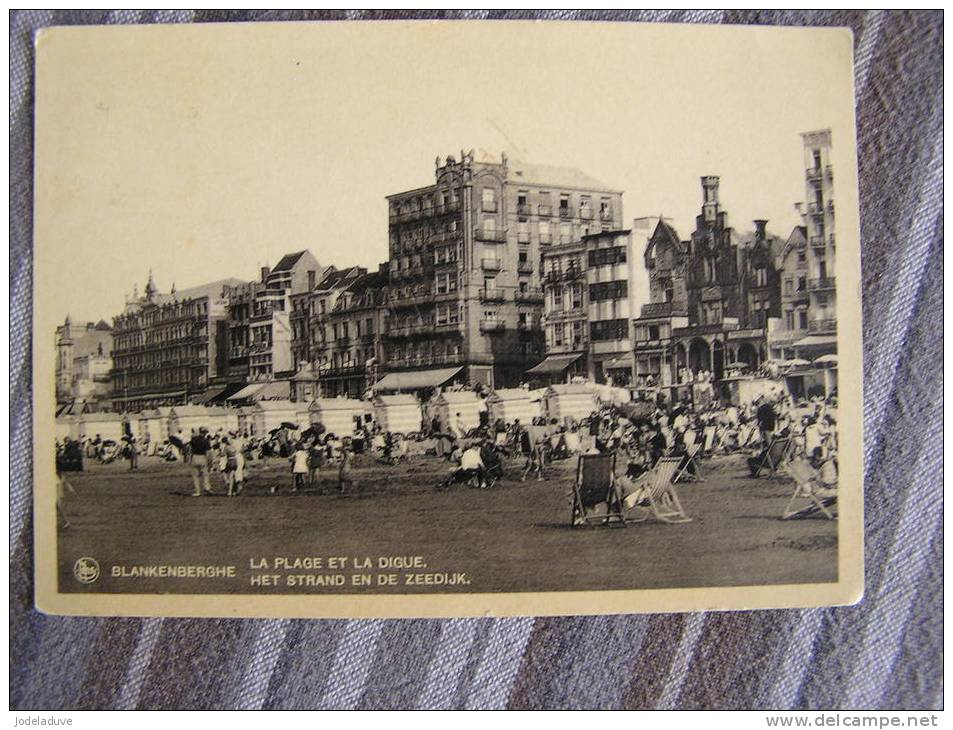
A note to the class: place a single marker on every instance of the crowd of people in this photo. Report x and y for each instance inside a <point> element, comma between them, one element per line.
<point>638,433</point>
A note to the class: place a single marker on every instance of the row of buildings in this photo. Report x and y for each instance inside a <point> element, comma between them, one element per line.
<point>499,272</point>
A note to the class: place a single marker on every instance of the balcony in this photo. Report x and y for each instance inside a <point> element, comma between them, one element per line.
<point>492,294</point>
<point>819,326</point>
<point>490,235</point>
<point>492,325</point>
<point>525,267</point>
<point>663,309</point>
<point>489,206</point>
<point>831,237</point>
<point>524,209</point>
<point>545,239</point>
<point>491,264</point>
<point>818,241</point>
<point>411,301</point>
<point>522,237</point>
<point>816,209</point>
<point>411,330</point>
<point>822,284</point>
<point>447,327</point>
<point>545,210</point>
<point>830,207</point>
<point>565,212</point>
<point>829,171</point>
<point>605,214</point>
<point>530,296</point>
<point>813,173</point>
<point>344,341</point>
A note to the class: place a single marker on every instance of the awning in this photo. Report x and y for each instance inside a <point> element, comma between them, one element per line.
<point>416,379</point>
<point>816,341</point>
<point>247,392</point>
<point>227,392</point>
<point>554,364</point>
<point>616,363</point>
<point>208,395</point>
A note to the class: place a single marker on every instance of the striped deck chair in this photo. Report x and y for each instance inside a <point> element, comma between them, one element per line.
<point>772,458</point>
<point>658,499</point>
<point>806,487</point>
<point>683,473</point>
<point>595,485</point>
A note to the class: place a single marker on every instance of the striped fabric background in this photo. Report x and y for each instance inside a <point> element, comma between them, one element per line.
<point>885,653</point>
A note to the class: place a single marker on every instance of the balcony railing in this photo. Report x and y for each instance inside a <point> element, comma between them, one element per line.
<point>492,294</point>
<point>491,264</point>
<point>344,341</point>
<point>815,208</point>
<point>525,267</point>
<point>492,325</point>
<point>826,282</point>
<point>490,235</point>
<point>822,325</point>
<point>813,173</point>
<point>524,209</point>
<point>818,241</point>
<point>565,212</point>
<point>448,326</point>
<point>605,214</point>
<point>829,171</point>
<point>585,213</point>
<point>530,296</point>
<point>545,210</point>
<point>489,206</point>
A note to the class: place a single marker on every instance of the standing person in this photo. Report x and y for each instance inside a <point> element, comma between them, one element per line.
<point>133,454</point>
<point>314,463</point>
<point>299,467</point>
<point>199,447</point>
<point>767,421</point>
<point>345,477</point>
<point>239,444</point>
<point>231,465</point>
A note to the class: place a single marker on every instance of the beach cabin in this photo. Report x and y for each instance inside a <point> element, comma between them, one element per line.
<point>267,415</point>
<point>398,413</point>
<point>337,415</point>
<point>154,425</point>
<point>446,406</point>
<point>67,427</point>
<point>512,404</point>
<point>572,400</point>
<point>109,426</point>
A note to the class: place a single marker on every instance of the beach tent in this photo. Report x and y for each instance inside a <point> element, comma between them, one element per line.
<point>513,404</point>
<point>337,415</point>
<point>446,406</point>
<point>397,413</point>
<point>573,400</point>
<point>109,426</point>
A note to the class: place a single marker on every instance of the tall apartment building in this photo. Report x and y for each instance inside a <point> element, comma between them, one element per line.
<point>83,360</point>
<point>464,281</point>
<point>355,326</point>
<point>241,304</point>
<point>808,326</point>
<point>271,355</point>
<point>169,347</point>
<point>565,314</point>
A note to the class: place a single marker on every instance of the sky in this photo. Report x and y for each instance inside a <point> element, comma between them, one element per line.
<point>206,152</point>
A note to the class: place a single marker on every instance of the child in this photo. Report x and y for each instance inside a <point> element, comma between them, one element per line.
<point>314,463</point>
<point>230,466</point>
<point>299,461</point>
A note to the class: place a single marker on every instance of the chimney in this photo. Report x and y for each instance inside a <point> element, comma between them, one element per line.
<point>265,271</point>
<point>312,274</point>
<point>759,227</point>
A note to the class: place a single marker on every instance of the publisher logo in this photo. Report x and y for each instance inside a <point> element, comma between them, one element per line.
<point>86,570</point>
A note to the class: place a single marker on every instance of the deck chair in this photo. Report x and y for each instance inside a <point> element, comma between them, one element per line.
<point>773,457</point>
<point>805,489</point>
<point>691,460</point>
<point>658,499</point>
<point>595,485</point>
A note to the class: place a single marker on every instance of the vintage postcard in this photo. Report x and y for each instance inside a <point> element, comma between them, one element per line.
<point>446,319</point>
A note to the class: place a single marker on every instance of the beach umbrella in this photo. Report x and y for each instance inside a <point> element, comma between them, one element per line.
<point>796,363</point>
<point>826,360</point>
<point>738,364</point>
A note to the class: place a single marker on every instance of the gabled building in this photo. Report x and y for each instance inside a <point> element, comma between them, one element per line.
<point>355,324</point>
<point>83,360</point>
<point>792,265</point>
<point>324,297</point>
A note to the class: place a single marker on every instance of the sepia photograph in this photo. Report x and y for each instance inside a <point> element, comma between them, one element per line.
<point>446,319</point>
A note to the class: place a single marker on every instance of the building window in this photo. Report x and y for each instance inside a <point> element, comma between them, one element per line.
<point>608,290</point>
<point>576,292</point>
<point>761,276</point>
<point>802,319</point>
<point>557,297</point>
<point>489,200</point>
<point>610,329</point>
<point>789,319</point>
<point>801,283</point>
<point>558,334</point>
